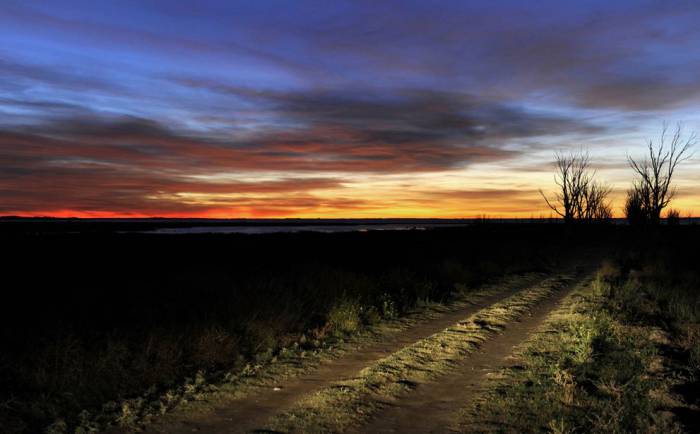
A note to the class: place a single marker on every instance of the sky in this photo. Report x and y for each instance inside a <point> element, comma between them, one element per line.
<point>334,108</point>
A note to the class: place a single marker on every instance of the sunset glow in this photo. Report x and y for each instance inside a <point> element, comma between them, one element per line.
<point>341,109</point>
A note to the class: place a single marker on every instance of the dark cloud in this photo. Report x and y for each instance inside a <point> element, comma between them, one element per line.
<point>401,116</point>
<point>140,143</point>
<point>57,106</point>
<point>44,184</point>
<point>99,162</point>
<point>421,115</point>
<point>631,93</point>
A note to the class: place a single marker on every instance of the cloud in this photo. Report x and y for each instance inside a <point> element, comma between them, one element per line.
<point>110,113</point>
<point>45,185</point>
<point>452,121</point>
<point>400,131</point>
<point>643,94</point>
<point>113,163</point>
<point>21,76</point>
<point>582,53</point>
<point>626,55</point>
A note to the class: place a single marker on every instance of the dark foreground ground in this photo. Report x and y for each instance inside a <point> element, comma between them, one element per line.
<point>90,319</point>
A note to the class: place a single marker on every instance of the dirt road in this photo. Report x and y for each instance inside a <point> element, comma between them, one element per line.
<point>432,407</point>
<point>432,386</point>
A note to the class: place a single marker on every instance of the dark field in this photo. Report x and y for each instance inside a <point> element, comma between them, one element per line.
<point>90,319</point>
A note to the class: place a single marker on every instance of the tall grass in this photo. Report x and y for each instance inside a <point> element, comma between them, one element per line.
<point>661,288</point>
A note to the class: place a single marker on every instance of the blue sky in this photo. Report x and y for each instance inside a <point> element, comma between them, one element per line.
<point>323,108</point>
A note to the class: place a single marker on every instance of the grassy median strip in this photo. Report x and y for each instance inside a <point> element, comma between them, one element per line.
<point>584,371</point>
<point>347,403</point>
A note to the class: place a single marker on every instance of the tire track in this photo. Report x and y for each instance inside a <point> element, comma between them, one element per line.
<point>345,404</point>
<point>433,407</point>
<point>252,412</point>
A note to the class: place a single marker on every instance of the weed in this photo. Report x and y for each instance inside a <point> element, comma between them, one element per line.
<point>345,317</point>
<point>567,383</point>
<point>387,306</point>
<point>57,427</point>
<point>560,426</point>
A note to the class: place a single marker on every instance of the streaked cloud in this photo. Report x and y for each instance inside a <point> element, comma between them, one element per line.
<point>335,109</point>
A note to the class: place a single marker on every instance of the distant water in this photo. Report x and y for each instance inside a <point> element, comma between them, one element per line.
<point>293,228</point>
<point>350,227</point>
<point>9,224</point>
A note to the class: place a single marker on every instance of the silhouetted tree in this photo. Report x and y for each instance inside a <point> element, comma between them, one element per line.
<point>579,198</point>
<point>652,190</point>
<point>597,207</point>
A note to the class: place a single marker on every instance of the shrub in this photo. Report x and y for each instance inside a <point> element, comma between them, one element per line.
<point>214,347</point>
<point>371,315</point>
<point>636,211</point>
<point>673,217</point>
<point>344,317</point>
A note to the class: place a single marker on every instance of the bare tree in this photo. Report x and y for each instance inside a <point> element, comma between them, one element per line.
<point>579,198</point>
<point>652,191</point>
<point>570,177</point>
<point>597,207</point>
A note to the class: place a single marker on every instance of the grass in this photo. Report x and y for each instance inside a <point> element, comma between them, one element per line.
<point>347,403</point>
<point>600,364</point>
<point>107,327</point>
<point>662,291</point>
<point>195,397</point>
<point>346,329</point>
<point>111,327</point>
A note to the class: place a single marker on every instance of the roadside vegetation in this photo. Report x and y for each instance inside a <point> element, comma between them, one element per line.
<point>113,328</point>
<point>348,403</point>
<point>297,360</point>
<point>619,356</point>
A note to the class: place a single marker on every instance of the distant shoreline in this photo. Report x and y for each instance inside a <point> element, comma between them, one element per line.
<point>168,226</point>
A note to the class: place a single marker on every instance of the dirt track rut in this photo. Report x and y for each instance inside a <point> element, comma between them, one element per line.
<point>437,399</point>
<point>432,407</point>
